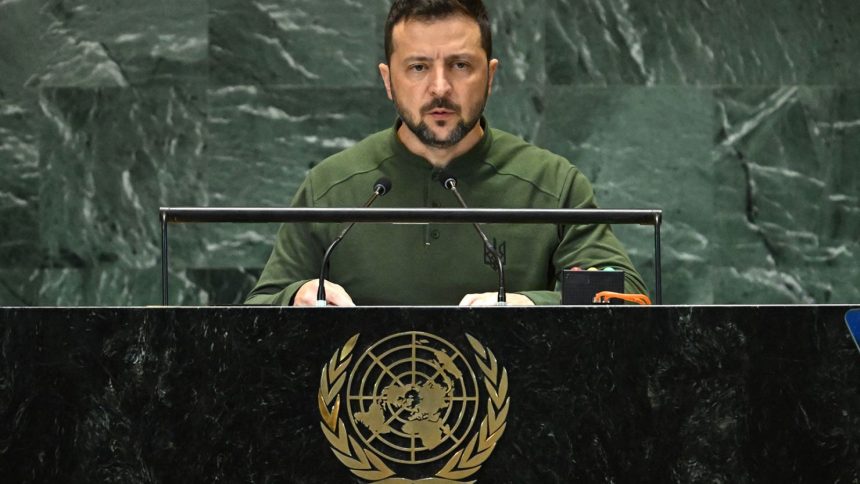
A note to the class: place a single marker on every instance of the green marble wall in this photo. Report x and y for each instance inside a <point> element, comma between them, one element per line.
<point>741,120</point>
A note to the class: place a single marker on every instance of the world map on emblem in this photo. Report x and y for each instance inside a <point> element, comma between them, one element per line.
<point>413,397</point>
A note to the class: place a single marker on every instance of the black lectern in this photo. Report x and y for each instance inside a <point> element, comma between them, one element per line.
<point>493,395</point>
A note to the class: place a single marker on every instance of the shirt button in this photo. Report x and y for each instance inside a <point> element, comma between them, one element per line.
<point>434,234</point>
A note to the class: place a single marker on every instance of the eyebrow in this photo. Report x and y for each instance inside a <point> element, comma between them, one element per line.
<point>424,58</point>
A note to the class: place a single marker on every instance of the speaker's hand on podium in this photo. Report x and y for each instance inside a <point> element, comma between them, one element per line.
<point>492,299</point>
<point>335,295</point>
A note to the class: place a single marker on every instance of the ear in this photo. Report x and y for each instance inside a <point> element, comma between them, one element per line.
<point>494,64</point>
<point>385,73</point>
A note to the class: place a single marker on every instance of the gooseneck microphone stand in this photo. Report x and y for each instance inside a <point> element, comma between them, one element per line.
<point>450,183</point>
<point>380,188</point>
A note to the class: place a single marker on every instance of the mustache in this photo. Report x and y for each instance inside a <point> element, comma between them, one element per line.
<point>442,103</point>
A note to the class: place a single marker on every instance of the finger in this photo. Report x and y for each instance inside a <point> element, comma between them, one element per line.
<point>481,299</point>
<point>486,299</point>
<point>519,300</point>
<point>307,294</point>
<point>337,296</point>
<point>467,299</point>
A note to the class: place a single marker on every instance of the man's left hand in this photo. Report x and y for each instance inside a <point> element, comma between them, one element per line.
<point>492,299</point>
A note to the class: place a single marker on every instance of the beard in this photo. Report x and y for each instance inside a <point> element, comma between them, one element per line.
<point>422,130</point>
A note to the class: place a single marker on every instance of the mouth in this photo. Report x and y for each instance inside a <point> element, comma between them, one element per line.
<point>440,113</point>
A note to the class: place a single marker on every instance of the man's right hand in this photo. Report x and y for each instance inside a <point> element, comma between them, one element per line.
<point>335,295</point>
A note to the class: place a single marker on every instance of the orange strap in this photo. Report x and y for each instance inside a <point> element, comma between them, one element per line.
<point>603,297</point>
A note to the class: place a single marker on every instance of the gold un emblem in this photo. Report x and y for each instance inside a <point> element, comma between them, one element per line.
<point>413,399</point>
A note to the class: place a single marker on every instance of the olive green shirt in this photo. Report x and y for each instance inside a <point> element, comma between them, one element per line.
<point>438,264</point>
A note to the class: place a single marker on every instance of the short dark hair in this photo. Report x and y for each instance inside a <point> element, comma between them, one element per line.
<point>402,10</point>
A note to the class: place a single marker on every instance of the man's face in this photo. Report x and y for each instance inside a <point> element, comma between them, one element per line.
<point>439,78</point>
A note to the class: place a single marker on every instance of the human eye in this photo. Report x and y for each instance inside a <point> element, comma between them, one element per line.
<point>461,65</point>
<point>417,67</point>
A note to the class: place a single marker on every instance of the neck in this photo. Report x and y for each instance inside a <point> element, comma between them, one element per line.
<point>439,157</point>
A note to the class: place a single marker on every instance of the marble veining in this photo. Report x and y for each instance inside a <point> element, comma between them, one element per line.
<point>740,120</point>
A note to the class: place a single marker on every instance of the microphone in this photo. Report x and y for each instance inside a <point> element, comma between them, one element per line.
<point>380,188</point>
<point>450,183</point>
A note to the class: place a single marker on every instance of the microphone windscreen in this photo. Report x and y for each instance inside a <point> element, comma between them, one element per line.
<point>382,186</point>
<point>446,179</point>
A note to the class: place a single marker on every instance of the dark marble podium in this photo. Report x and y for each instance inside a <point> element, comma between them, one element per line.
<point>597,394</point>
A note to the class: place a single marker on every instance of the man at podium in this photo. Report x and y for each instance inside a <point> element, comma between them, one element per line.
<point>439,74</point>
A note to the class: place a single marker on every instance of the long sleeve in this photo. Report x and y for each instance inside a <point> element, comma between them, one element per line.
<point>295,258</point>
<point>592,245</point>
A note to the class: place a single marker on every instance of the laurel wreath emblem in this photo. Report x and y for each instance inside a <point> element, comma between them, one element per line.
<point>365,464</point>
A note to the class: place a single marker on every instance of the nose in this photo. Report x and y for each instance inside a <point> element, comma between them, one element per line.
<point>439,83</point>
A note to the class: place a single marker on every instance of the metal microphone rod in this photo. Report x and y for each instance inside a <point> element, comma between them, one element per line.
<point>169,215</point>
<point>410,215</point>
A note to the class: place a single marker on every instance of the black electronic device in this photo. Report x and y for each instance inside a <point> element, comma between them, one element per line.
<point>578,287</point>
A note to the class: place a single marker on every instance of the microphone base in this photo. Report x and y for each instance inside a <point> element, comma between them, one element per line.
<point>320,303</point>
